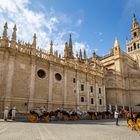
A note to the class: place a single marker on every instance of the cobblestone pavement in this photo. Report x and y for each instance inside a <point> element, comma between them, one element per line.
<point>76,130</point>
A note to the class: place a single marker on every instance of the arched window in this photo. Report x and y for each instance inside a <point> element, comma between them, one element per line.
<point>131,48</point>
<point>128,49</point>
<point>82,99</point>
<point>92,101</point>
<point>138,46</point>
<point>134,46</point>
<point>135,34</point>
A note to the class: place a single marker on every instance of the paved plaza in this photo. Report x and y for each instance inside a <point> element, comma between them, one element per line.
<point>71,130</point>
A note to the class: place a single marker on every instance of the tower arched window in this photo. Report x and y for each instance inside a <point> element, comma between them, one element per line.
<point>135,34</point>
<point>131,48</point>
<point>134,46</point>
<point>138,45</point>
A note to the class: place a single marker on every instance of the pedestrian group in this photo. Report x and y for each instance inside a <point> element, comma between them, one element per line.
<point>9,112</point>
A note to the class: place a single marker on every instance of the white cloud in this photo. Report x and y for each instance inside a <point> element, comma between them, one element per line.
<point>81,45</point>
<point>79,22</point>
<point>100,33</point>
<point>101,40</point>
<point>44,23</point>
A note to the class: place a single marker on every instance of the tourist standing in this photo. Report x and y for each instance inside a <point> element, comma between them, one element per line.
<point>14,113</point>
<point>116,116</point>
<point>6,110</point>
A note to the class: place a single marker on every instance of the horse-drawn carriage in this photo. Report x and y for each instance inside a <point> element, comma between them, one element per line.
<point>92,115</point>
<point>133,121</point>
<point>38,114</point>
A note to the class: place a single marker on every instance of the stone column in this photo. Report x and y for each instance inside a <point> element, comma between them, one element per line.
<point>104,98</point>
<point>32,83</point>
<point>9,79</point>
<point>88,93</point>
<point>97,96</point>
<point>65,88</point>
<point>77,93</point>
<point>50,88</point>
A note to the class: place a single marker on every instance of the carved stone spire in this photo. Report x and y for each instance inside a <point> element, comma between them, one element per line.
<point>116,47</point>
<point>80,54</point>
<point>13,41</point>
<point>5,31</point>
<point>135,23</point>
<point>4,42</point>
<point>34,41</point>
<point>51,47</point>
<point>77,58</point>
<point>66,50</point>
<point>70,48</point>
<point>85,54</point>
<point>93,56</point>
<point>14,33</point>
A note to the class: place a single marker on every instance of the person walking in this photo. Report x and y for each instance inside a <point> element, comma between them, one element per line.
<point>116,116</point>
<point>6,110</point>
<point>14,113</point>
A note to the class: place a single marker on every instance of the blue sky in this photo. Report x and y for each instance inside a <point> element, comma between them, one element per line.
<point>94,24</point>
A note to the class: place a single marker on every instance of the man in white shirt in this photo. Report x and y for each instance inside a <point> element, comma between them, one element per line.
<point>14,113</point>
<point>6,110</point>
<point>116,116</point>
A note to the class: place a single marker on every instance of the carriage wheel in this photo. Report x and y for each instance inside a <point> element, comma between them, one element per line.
<point>130,124</point>
<point>93,117</point>
<point>46,118</point>
<point>138,125</point>
<point>75,118</point>
<point>65,118</point>
<point>32,118</point>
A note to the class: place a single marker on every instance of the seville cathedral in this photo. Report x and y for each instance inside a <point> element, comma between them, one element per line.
<point>32,77</point>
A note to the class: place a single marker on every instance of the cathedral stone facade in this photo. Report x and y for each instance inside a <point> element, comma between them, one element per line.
<point>31,77</point>
<point>122,76</point>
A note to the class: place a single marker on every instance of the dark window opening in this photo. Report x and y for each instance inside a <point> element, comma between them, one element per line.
<point>92,101</point>
<point>74,80</point>
<point>100,101</point>
<point>134,46</point>
<point>131,48</point>
<point>99,90</point>
<point>135,34</point>
<point>82,87</point>
<point>58,77</point>
<point>138,45</point>
<point>41,73</point>
<point>82,99</point>
<point>91,88</point>
<point>128,49</point>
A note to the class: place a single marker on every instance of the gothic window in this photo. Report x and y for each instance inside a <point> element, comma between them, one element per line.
<point>82,99</point>
<point>91,88</point>
<point>131,48</point>
<point>92,101</point>
<point>82,87</point>
<point>128,49</point>
<point>41,73</point>
<point>58,77</point>
<point>100,101</point>
<point>138,46</point>
<point>135,34</point>
<point>134,46</point>
<point>74,80</point>
<point>99,90</point>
